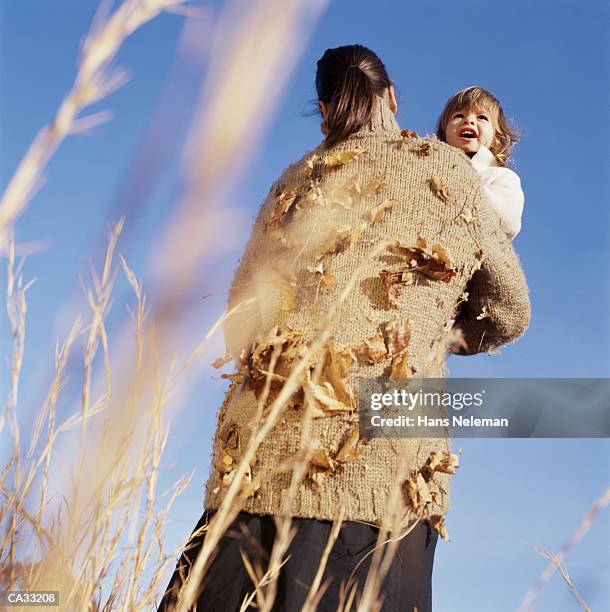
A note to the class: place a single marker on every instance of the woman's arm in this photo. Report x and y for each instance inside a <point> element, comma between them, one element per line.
<point>497,310</point>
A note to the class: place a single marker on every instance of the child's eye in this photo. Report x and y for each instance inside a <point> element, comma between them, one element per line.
<point>484,117</point>
<point>458,116</point>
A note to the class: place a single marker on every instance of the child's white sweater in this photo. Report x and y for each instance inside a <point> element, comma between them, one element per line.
<point>501,188</point>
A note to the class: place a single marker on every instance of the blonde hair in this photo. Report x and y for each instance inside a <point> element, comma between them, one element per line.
<point>477,98</point>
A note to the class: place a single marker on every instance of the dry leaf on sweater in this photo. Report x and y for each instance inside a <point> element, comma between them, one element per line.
<point>335,370</point>
<point>376,214</point>
<point>342,157</point>
<point>373,187</point>
<point>423,150</point>
<point>399,369</point>
<point>437,522</point>
<point>235,377</point>
<point>339,239</point>
<point>229,436</point>
<point>372,350</point>
<point>329,393</point>
<point>323,399</point>
<point>394,282</point>
<point>418,493</point>
<point>436,265</point>
<point>313,167</point>
<point>284,201</point>
<point>439,188</point>
<point>396,335</point>
<point>444,462</point>
<point>407,135</point>
<point>218,363</point>
<point>340,197</point>
<point>320,279</point>
<point>323,465</point>
<point>349,450</point>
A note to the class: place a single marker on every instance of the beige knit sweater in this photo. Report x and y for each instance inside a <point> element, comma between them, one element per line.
<point>317,225</point>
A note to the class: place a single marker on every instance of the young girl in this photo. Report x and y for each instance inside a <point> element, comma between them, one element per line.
<point>474,122</point>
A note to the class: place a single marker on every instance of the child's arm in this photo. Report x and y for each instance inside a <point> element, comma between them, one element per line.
<point>504,194</point>
<point>501,189</point>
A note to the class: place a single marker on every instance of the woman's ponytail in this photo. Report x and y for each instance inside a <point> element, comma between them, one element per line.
<point>347,80</point>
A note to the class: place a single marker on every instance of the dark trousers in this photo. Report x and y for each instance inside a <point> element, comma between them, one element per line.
<point>407,585</point>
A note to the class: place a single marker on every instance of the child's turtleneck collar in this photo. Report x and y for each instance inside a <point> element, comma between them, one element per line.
<point>483,159</point>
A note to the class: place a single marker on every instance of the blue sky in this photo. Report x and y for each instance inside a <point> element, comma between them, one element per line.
<point>542,59</point>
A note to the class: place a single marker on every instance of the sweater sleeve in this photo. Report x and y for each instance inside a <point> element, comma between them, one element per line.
<point>497,310</point>
<point>501,189</point>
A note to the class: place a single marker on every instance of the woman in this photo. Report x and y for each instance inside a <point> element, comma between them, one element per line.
<point>366,183</point>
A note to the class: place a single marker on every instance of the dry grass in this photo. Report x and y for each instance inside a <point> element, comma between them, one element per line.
<point>557,560</point>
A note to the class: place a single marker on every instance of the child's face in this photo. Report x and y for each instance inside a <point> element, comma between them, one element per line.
<point>468,129</point>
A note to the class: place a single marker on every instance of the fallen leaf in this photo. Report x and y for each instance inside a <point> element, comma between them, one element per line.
<point>372,350</point>
<point>229,436</point>
<point>407,135</point>
<point>436,265</point>
<point>329,393</point>
<point>439,188</point>
<point>418,493</point>
<point>339,239</point>
<point>349,449</point>
<point>444,462</point>
<point>394,282</point>
<point>218,363</point>
<point>322,464</point>
<point>343,157</point>
<point>437,522</point>
<point>399,369</point>
<point>284,201</point>
<point>313,167</point>
<point>396,335</point>
<point>376,214</point>
<point>423,150</point>
<point>373,187</point>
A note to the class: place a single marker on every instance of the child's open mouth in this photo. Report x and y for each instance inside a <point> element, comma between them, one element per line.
<point>468,133</point>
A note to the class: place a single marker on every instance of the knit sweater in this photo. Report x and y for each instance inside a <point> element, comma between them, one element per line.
<point>315,228</point>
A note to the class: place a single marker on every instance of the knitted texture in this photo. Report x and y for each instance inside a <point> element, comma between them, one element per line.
<point>316,227</point>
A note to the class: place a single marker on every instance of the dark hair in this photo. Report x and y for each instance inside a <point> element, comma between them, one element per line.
<point>347,81</point>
